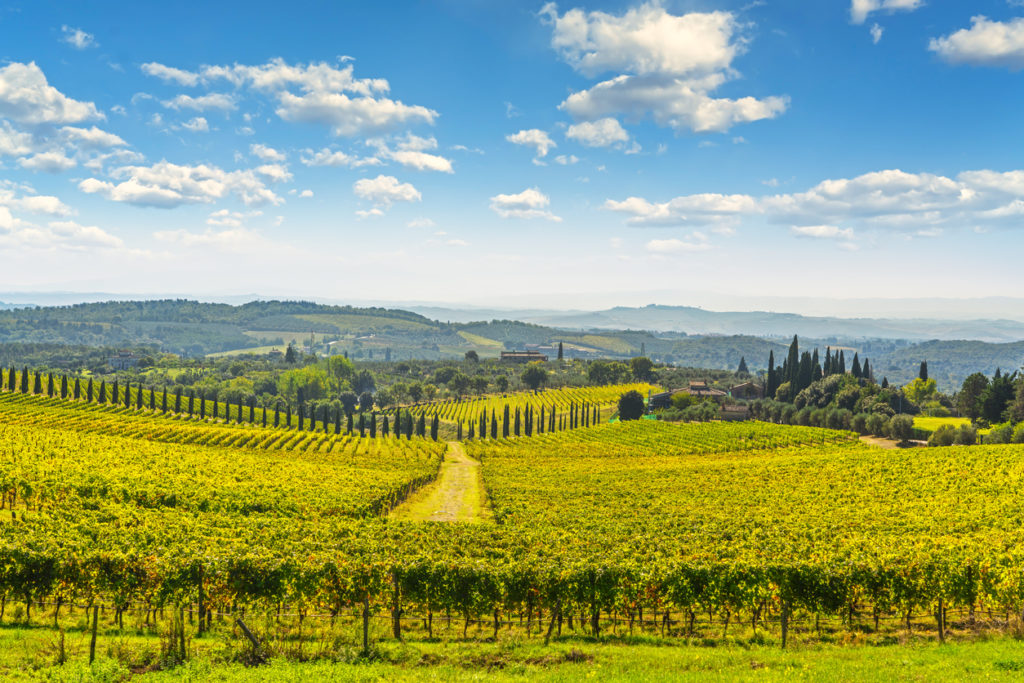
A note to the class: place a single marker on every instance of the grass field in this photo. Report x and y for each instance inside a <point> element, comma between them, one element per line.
<point>353,324</point>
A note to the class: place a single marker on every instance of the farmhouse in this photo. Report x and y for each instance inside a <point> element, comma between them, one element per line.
<point>523,356</point>
<point>124,360</point>
<point>698,388</point>
<point>748,391</point>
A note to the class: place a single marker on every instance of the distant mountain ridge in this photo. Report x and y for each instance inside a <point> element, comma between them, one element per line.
<point>698,321</point>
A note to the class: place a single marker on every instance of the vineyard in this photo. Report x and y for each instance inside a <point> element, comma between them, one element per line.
<point>593,527</point>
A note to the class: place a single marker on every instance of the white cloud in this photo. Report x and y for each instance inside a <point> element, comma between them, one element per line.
<point>533,137</point>
<point>232,219</point>
<point>168,185</point>
<point>410,152</point>
<point>369,213</point>
<point>600,133</point>
<point>421,223</point>
<point>32,203</point>
<point>278,173</point>
<point>13,142</point>
<point>306,194</point>
<point>77,38</point>
<point>699,209</point>
<point>197,125</point>
<point>676,246</point>
<point>91,138</point>
<point>214,100</point>
<point>985,43</point>
<point>860,9</point>
<point>26,97</point>
<point>876,33</point>
<point>890,200</point>
<point>822,232</point>
<point>169,73</point>
<point>48,162</point>
<point>231,240</point>
<point>73,234</point>
<point>564,160</point>
<point>530,203</point>
<point>329,157</point>
<point>671,62</point>
<point>457,243</point>
<point>676,103</point>
<point>308,93</point>
<point>266,153</point>
<point>644,40</point>
<point>385,189</point>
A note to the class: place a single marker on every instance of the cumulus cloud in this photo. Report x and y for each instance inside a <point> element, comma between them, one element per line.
<point>27,97</point>
<point>307,93</point>
<point>985,43</point>
<point>48,162</point>
<point>411,151</point>
<point>891,200</point>
<point>421,223</point>
<point>13,142</point>
<point>169,185</point>
<point>822,232</point>
<point>671,64</point>
<point>330,157</point>
<point>77,38</point>
<point>566,160</point>
<point>528,204</point>
<point>231,240</point>
<point>861,9</point>
<point>215,100</point>
<point>604,132</point>
<point>384,190</point>
<point>197,124</point>
<point>306,194</point>
<point>169,73</point>
<point>533,137</point>
<point>266,153</point>
<point>876,33</point>
<point>676,246</point>
<point>91,138</point>
<point>74,234</point>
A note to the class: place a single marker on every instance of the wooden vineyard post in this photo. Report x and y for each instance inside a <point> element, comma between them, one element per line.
<point>785,623</point>
<point>366,624</point>
<point>92,640</point>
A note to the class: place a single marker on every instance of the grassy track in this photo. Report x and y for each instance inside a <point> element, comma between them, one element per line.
<point>457,495</point>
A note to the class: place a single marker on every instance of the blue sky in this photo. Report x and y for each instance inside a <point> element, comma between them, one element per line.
<point>513,153</point>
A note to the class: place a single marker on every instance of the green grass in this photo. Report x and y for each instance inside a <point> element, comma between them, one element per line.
<point>259,350</point>
<point>478,340</point>
<point>29,655</point>
<point>930,424</point>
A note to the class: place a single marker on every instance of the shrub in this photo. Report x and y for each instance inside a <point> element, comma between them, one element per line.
<point>966,435</point>
<point>877,424</point>
<point>631,405</point>
<point>1018,433</point>
<point>901,427</point>
<point>943,436</point>
<point>1000,434</point>
<point>859,423</point>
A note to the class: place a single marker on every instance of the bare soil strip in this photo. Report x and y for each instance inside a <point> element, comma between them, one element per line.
<point>457,495</point>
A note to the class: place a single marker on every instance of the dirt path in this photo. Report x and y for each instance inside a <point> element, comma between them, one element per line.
<point>879,441</point>
<point>457,495</point>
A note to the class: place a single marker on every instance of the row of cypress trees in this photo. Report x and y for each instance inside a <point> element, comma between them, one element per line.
<point>801,370</point>
<point>526,421</point>
<point>192,404</point>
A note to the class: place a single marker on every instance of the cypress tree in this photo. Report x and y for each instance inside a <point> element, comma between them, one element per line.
<point>421,425</point>
<point>177,400</point>
<point>348,427</point>
<point>288,417</point>
<point>408,425</point>
<point>855,368</point>
<point>102,397</point>
<point>163,402</point>
<point>866,371</point>
<point>12,379</point>
<point>494,425</point>
<point>337,421</point>
<point>373,425</point>
<point>806,373</point>
<point>793,363</point>
<point>215,406</point>
<point>152,398</point>
<point>385,428</point>
<point>435,424</point>
<point>885,382</point>
<point>277,415</point>
<point>24,380</point>
<point>773,383</point>
<point>49,385</point>
<point>742,369</point>
<point>458,428</point>
<point>63,386</point>
<point>923,372</point>
<point>540,422</point>
<point>302,418</point>
<point>252,412</point>
<point>202,406</point>
<point>77,390</point>
<point>816,372</point>
<point>191,402</point>
<point>560,355</point>
<point>504,423</point>
<point>841,369</point>
<point>88,391</point>
<point>828,361</point>
<point>517,422</point>
<point>362,424</point>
